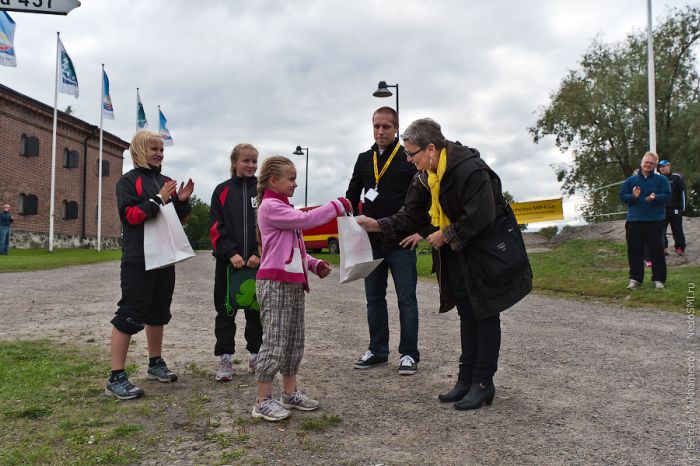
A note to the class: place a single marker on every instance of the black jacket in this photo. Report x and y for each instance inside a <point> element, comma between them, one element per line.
<point>136,199</point>
<point>232,215</point>
<point>392,187</point>
<point>678,192</point>
<point>472,199</point>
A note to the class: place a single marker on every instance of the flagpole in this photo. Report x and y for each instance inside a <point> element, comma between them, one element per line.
<point>53,146</point>
<point>651,81</point>
<point>137,109</point>
<point>99,165</point>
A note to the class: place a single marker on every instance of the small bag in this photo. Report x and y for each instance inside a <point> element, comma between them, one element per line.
<point>499,255</point>
<point>164,239</point>
<point>240,290</point>
<point>356,258</point>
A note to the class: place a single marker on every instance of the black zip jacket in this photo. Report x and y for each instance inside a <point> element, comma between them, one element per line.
<point>137,201</point>
<point>232,215</point>
<point>392,187</point>
<point>678,192</point>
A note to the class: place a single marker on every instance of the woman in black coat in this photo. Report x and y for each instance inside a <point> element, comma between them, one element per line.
<point>460,196</point>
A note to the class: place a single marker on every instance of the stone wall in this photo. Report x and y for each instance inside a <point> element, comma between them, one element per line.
<point>31,240</point>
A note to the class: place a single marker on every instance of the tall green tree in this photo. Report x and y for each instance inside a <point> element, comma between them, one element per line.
<point>600,112</point>
<point>197,226</point>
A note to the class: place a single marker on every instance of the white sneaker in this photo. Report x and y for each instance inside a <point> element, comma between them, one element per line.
<point>407,365</point>
<point>659,285</point>
<point>225,371</point>
<point>298,400</point>
<point>633,284</point>
<point>252,361</point>
<point>270,410</point>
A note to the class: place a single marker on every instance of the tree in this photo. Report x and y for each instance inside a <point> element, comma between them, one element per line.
<point>600,113</point>
<point>197,226</point>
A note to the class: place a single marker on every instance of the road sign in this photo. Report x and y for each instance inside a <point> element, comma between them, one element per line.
<point>52,7</point>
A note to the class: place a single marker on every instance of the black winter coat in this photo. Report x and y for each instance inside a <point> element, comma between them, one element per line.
<point>472,199</point>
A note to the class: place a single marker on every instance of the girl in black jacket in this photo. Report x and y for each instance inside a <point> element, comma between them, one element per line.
<point>235,246</point>
<point>146,294</point>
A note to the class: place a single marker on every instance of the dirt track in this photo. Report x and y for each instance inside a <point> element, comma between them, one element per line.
<point>579,383</point>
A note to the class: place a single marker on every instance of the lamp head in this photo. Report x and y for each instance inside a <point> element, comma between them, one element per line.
<point>298,151</point>
<point>382,90</point>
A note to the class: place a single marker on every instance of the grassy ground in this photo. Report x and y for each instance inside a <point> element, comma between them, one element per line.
<point>53,412</point>
<point>590,269</point>
<point>26,260</point>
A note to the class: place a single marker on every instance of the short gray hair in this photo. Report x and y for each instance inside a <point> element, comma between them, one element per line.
<point>423,132</point>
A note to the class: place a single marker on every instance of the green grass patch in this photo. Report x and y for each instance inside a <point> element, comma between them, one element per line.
<point>588,269</point>
<point>321,423</point>
<point>599,269</point>
<point>26,260</point>
<point>52,410</point>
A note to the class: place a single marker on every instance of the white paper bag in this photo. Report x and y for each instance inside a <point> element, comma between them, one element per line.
<point>164,239</point>
<point>356,260</point>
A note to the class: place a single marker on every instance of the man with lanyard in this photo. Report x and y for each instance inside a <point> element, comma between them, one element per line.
<point>384,173</point>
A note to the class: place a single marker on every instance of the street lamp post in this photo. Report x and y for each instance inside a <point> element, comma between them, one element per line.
<point>298,151</point>
<point>383,91</point>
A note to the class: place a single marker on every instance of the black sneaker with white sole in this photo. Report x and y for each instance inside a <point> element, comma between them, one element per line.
<point>407,365</point>
<point>121,388</point>
<point>369,360</point>
<point>160,372</point>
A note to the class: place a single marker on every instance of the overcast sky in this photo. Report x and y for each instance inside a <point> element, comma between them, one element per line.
<point>278,74</point>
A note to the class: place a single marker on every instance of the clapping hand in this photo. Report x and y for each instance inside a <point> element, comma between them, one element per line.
<point>636,191</point>
<point>167,190</point>
<point>185,190</point>
<point>650,197</point>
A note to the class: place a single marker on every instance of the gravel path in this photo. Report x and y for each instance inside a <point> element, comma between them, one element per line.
<point>579,383</point>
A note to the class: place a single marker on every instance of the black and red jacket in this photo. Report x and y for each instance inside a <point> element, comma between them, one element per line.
<point>232,215</point>
<point>137,200</point>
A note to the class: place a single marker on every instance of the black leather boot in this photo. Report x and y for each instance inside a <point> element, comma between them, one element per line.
<point>460,389</point>
<point>479,393</point>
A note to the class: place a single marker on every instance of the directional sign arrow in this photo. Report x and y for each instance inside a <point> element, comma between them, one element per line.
<point>51,7</point>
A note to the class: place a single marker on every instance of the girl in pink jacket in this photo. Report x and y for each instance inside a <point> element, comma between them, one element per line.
<point>281,281</point>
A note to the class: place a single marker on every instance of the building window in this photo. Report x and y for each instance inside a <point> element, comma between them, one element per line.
<point>71,158</point>
<point>69,210</point>
<point>105,168</point>
<point>29,146</point>
<point>28,204</point>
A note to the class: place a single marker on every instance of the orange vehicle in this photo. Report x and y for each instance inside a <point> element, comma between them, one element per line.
<point>320,237</point>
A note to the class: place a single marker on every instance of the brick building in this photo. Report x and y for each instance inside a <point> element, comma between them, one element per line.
<point>26,127</point>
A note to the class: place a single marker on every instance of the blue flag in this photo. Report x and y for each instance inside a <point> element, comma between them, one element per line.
<point>7,38</point>
<point>163,130</point>
<point>67,79</point>
<point>107,109</point>
<point>141,122</point>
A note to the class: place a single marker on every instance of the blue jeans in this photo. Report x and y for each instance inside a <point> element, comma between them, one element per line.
<point>402,263</point>
<point>4,240</point>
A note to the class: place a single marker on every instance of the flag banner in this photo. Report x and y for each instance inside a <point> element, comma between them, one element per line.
<point>67,79</point>
<point>141,122</point>
<point>538,211</point>
<point>7,38</point>
<point>163,130</point>
<point>107,109</point>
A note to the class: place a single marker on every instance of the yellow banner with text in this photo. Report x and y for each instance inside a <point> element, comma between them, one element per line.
<point>538,211</point>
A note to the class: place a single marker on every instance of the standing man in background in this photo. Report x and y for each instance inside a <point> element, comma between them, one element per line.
<point>6,220</point>
<point>384,174</point>
<point>674,207</point>
<point>645,194</point>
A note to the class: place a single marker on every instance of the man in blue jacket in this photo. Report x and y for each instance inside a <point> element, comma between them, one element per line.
<point>646,194</point>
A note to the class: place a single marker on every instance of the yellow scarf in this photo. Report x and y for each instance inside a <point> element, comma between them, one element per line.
<point>437,216</point>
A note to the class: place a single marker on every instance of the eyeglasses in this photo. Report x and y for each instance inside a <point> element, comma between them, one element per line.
<point>410,155</point>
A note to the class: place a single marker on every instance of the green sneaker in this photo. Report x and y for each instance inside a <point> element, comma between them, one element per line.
<point>160,372</point>
<point>121,388</point>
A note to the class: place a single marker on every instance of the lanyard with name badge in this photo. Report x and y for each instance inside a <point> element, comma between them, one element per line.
<point>372,193</point>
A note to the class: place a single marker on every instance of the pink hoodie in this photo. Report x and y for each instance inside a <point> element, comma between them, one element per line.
<point>284,256</point>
